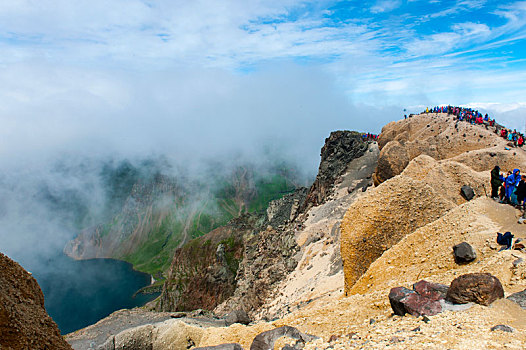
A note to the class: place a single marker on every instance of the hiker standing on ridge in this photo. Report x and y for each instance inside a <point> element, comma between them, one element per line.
<point>521,191</point>
<point>496,182</point>
<point>511,183</point>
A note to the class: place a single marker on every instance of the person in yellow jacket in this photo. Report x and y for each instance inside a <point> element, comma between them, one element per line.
<point>427,109</point>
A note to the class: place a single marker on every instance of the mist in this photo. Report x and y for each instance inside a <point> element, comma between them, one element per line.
<point>60,125</point>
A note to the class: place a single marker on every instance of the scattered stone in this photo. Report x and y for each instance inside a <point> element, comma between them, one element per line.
<point>502,327</point>
<point>433,291</point>
<point>480,288</point>
<point>178,314</point>
<point>426,319</point>
<point>266,340</point>
<point>229,346</point>
<point>467,192</point>
<point>237,316</point>
<point>417,329</point>
<point>519,298</point>
<point>372,320</point>
<point>464,253</point>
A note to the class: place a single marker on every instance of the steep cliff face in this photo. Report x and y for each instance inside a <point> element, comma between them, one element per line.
<point>340,148</point>
<point>229,260</point>
<point>161,214</point>
<point>24,322</point>
<point>268,243</point>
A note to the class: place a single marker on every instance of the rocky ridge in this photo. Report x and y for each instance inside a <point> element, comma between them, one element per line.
<point>270,247</point>
<point>414,241</point>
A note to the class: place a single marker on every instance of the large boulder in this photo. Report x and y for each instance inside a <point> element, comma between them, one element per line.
<point>24,322</point>
<point>464,253</point>
<point>423,300</point>
<point>480,288</point>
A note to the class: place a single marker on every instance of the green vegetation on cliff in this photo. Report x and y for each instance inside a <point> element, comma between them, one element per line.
<point>154,214</point>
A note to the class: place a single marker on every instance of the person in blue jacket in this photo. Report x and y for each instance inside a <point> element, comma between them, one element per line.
<point>511,183</point>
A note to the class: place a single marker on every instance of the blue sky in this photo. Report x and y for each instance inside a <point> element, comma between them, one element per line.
<point>113,72</point>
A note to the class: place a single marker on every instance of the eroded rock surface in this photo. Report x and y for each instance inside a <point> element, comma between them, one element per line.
<point>480,288</point>
<point>24,322</point>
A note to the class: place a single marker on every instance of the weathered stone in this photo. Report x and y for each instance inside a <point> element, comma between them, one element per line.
<point>266,340</point>
<point>433,291</point>
<point>519,298</point>
<point>502,327</point>
<point>24,322</point>
<point>464,253</point>
<point>480,288</point>
<point>418,305</point>
<point>237,316</point>
<point>467,192</point>
<point>229,346</point>
<point>396,295</point>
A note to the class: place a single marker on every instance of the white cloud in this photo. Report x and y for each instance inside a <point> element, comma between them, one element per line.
<point>386,6</point>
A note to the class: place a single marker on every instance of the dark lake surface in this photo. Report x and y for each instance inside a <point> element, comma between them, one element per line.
<point>80,293</point>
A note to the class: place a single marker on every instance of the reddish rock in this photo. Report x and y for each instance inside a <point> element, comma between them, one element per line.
<point>433,291</point>
<point>418,305</point>
<point>396,297</point>
<point>480,288</point>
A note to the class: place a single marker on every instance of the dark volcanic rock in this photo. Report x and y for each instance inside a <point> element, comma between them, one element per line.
<point>467,192</point>
<point>480,288</point>
<point>464,253</point>
<point>519,298</point>
<point>340,148</point>
<point>24,322</point>
<point>266,340</point>
<point>237,316</point>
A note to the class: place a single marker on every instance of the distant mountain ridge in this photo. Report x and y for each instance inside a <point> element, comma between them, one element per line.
<point>160,213</point>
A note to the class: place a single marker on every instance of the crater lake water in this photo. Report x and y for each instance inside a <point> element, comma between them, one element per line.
<point>80,293</point>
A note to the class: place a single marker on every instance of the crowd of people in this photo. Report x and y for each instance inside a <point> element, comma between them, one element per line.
<point>369,137</point>
<point>509,188</point>
<point>473,116</point>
